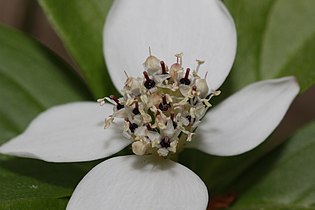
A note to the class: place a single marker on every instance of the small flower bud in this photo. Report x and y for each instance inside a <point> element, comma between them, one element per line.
<point>202,87</point>
<point>152,65</point>
<point>132,85</point>
<point>175,70</point>
<point>139,148</point>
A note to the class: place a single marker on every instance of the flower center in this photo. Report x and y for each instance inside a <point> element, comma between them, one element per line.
<point>162,109</point>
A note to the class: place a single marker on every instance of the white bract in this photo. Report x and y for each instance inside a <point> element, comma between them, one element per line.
<point>160,112</point>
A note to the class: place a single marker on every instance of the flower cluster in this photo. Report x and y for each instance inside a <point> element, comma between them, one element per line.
<point>162,109</point>
<point>158,112</point>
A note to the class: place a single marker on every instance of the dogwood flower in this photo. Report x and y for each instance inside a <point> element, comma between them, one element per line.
<point>159,113</point>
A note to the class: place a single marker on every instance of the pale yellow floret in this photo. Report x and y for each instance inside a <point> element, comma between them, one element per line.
<point>162,109</point>
<point>139,148</point>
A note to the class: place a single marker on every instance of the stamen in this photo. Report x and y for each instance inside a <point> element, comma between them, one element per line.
<point>126,74</point>
<point>101,101</point>
<point>149,83</point>
<point>199,63</point>
<point>179,58</point>
<point>185,80</point>
<point>118,104</point>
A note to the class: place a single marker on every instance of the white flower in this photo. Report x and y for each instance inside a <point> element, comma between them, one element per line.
<point>73,132</point>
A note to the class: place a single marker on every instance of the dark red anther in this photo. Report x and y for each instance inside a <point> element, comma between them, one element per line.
<point>114,98</point>
<point>163,67</point>
<point>146,76</point>
<point>165,142</point>
<point>187,73</point>
<point>172,116</point>
<point>150,128</point>
<point>164,106</point>
<point>189,118</point>
<point>164,99</point>
<point>194,88</point>
<point>185,79</point>
<point>132,127</point>
<point>174,122</point>
<point>118,104</point>
<point>136,111</point>
<point>149,83</point>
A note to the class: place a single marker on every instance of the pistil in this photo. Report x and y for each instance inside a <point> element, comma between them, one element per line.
<point>185,79</point>
<point>163,67</point>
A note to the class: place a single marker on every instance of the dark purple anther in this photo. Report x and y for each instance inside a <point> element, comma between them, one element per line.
<point>172,118</point>
<point>149,83</point>
<point>132,127</point>
<point>136,111</point>
<point>164,106</point>
<point>165,142</point>
<point>118,104</point>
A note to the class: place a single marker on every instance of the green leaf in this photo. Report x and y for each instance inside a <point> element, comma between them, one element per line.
<point>32,79</point>
<point>302,65</point>
<point>290,26</point>
<point>251,19</point>
<point>282,180</point>
<point>26,183</point>
<point>80,25</point>
<point>42,203</point>
<point>273,41</point>
<point>220,172</point>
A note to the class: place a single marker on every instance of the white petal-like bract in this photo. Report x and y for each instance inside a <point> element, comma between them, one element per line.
<point>245,119</point>
<point>139,183</point>
<point>201,29</point>
<point>68,133</point>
